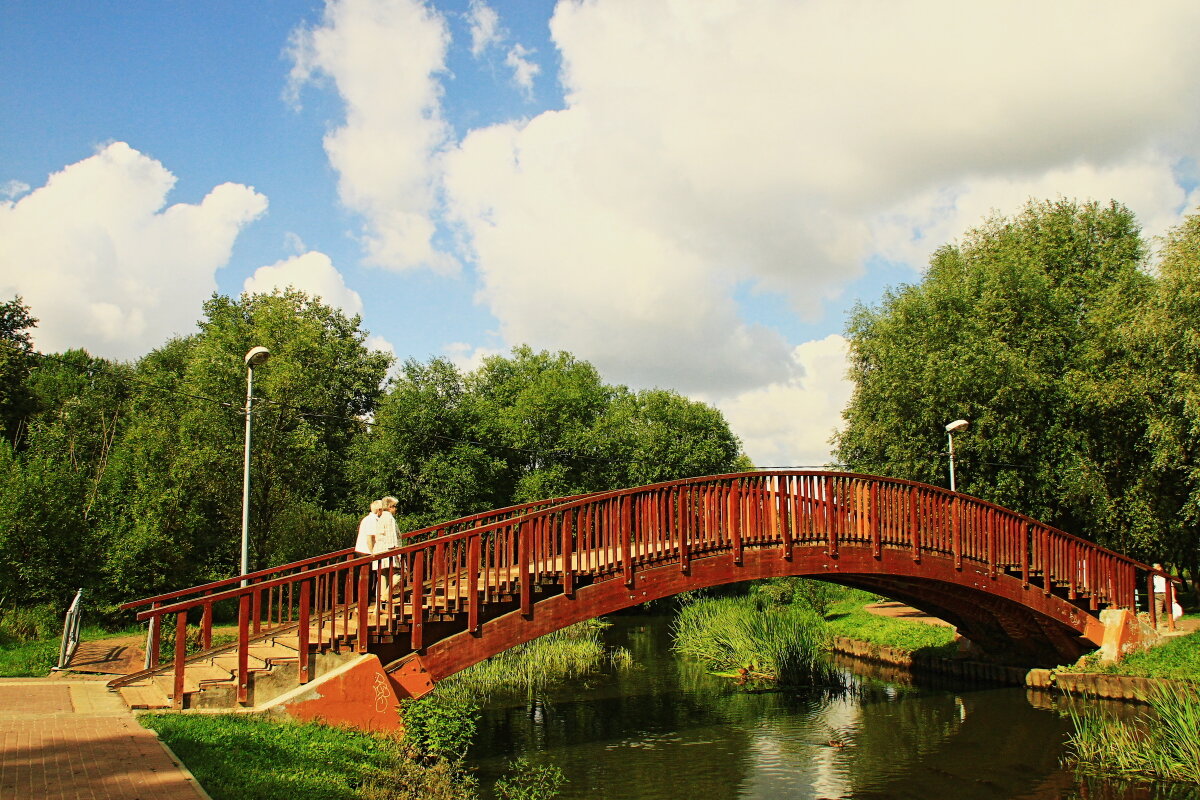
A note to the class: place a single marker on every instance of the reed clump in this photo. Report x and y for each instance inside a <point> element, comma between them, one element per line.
<point>1163,744</point>
<point>752,640</point>
<point>573,652</point>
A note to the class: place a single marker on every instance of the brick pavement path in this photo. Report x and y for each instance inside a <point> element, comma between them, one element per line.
<point>72,739</point>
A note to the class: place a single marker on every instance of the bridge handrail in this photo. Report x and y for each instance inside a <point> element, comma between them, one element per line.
<point>302,564</point>
<point>523,544</point>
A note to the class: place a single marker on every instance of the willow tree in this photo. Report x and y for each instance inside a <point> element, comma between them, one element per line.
<point>1023,328</point>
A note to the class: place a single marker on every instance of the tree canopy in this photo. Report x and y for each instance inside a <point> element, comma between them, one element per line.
<point>1049,334</point>
<point>127,478</point>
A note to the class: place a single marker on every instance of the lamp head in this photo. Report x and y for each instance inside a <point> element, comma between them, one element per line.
<point>257,356</point>
<point>957,425</point>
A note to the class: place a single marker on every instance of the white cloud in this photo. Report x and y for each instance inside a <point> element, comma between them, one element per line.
<point>14,189</point>
<point>384,57</point>
<point>789,423</point>
<point>780,145</point>
<point>485,27</point>
<point>313,273</point>
<point>376,342</point>
<point>772,145</point>
<point>524,69</point>
<point>103,264</point>
<point>469,358</point>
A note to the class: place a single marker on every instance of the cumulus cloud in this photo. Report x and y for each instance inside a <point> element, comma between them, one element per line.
<point>788,423</point>
<point>775,146</point>
<point>104,265</point>
<point>524,69</point>
<point>485,27</point>
<point>313,273</point>
<point>384,57</point>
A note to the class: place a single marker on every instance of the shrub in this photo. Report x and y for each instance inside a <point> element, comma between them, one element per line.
<point>527,781</point>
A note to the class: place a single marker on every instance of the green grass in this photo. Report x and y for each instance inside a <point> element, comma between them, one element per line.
<point>1178,659</point>
<point>752,638</point>
<point>573,652</point>
<point>847,617</point>
<point>22,657</point>
<point>248,757</point>
<point>1162,745</point>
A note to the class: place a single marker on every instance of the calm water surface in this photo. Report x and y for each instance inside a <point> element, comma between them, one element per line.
<point>666,730</point>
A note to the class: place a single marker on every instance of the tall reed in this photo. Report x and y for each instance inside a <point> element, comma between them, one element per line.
<point>1163,744</point>
<point>783,643</point>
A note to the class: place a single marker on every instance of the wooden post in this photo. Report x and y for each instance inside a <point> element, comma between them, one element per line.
<point>568,551</point>
<point>914,523</point>
<point>874,516</point>
<point>523,573</point>
<point>473,584</point>
<point>180,657</point>
<point>364,581</point>
<point>625,514</point>
<point>418,601</point>
<point>303,629</point>
<point>206,625</point>
<point>243,676</point>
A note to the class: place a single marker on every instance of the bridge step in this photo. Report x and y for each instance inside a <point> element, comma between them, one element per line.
<point>144,696</point>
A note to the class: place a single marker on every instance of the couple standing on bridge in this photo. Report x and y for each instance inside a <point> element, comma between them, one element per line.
<point>376,533</point>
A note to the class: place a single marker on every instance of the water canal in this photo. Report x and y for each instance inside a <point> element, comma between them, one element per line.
<point>666,730</point>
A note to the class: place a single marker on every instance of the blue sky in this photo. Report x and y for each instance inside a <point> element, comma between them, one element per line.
<point>688,194</point>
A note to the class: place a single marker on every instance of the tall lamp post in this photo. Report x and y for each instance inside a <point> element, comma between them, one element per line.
<point>257,356</point>
<point>957,425</point>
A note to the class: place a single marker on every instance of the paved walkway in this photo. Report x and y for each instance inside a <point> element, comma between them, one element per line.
<point>69,738</point>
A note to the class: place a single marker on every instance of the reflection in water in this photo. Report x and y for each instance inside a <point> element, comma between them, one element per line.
<point>669,730</point>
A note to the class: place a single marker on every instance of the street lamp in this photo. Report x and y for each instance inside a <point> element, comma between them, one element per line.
<point>256,357</point>
<point>957,425</point>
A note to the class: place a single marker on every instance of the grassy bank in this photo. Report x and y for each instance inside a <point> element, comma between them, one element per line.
<point>314,762</point>
<point>1178,659</point>
<point>1162,745</point>
<point>780,629</point>
<point>847,616</point>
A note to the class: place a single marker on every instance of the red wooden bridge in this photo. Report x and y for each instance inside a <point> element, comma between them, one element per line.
<point>465,590</point>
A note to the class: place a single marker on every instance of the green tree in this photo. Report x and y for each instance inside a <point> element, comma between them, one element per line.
<point>523,427</point>
<point>16,345</point>
<point>1022,328</point>
<point>176,501</point>
<point>1168,335</point>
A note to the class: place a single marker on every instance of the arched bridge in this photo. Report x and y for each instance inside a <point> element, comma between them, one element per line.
<point>462,591</point>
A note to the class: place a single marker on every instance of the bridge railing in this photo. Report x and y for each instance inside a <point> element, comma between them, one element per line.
<point>270,607</point>
<point>458,569</point>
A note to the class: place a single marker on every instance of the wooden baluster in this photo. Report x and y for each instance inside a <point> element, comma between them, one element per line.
<point>830,500</point>
<point>1153,600</point>
<point>154,638</point>
<point>625,509</point>
<point>785,517</point>
<point>568,551</point>
<point>473,584</point>
<point>1026,540</point>
<point>180,657</point>
<point>243,654</point>
<point>523,572</point>
<point>914,523</point>
<point>418,601</point>
<point>206,625</point>
<point>364,583</point>
<point>875,521</point>
<point>955,529</point>
<point>256,610</point>
<point>303,629</point>
<point>734,522</point>
<point>992,521</point>
<point>685,526</point>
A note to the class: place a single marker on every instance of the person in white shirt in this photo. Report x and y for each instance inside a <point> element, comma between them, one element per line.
<point>387,539</point>
<point>368,529</point>
<point>368,537</point>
